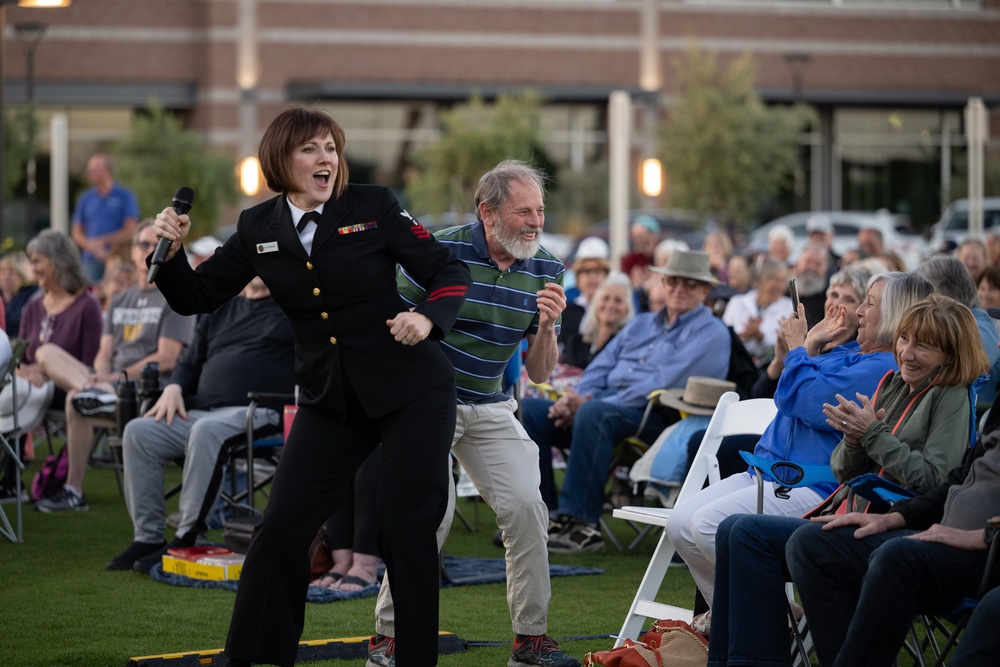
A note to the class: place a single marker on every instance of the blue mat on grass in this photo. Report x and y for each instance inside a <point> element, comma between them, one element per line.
<point>458,570</point>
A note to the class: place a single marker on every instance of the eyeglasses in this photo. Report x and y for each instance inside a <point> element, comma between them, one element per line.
<point>689,283</point>
<point>145,245</point>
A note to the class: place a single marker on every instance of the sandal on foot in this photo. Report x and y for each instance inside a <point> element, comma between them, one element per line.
<point>328,580</point>
<point>354,581</point>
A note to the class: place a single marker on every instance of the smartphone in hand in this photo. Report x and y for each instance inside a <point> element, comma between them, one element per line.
<point>793,293</point>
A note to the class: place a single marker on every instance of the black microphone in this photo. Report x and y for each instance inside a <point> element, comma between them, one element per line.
<point>182,204</point>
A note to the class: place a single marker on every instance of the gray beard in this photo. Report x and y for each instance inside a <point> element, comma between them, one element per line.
<point>810,283</point>
<point>513,244</point>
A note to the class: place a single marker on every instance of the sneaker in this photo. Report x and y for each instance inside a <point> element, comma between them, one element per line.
<point>63,500</point>
<point>126,559</point>
<point>95,404</point>
<point>576,537</point>
<point>558,524</point>
<point>381,651</point>
<point>530,650</point>
<point>9,493</point>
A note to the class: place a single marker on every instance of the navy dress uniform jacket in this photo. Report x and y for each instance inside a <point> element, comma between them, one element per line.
<point>339,298</point>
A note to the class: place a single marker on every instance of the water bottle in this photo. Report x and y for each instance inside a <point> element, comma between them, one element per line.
<point>127,408</point>
<point>149,383</point>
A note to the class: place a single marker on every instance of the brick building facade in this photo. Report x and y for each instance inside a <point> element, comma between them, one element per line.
<point>890,78</point>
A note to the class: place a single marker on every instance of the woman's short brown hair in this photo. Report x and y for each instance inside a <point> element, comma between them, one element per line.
<point>293,127</point>
<point>941,321</point>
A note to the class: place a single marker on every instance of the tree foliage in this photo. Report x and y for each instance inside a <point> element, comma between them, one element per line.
<point>158,155</point>
<point>725,152</point>
<point>475,137</point>
<point>16,146</point>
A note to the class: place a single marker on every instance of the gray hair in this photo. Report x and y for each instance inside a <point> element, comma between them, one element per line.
<point>782,232</point>
<point>951,278</point>
<point>766,268</point>
<point>615,278</point>
<point>855,277</point>
<point>901,291</point>
<point>65,257</point>
<point>494,185</point>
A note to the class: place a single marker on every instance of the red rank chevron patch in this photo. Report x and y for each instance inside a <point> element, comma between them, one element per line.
<point>418,230</point>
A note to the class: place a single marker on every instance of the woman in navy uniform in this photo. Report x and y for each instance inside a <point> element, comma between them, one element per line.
<point>369,373</point>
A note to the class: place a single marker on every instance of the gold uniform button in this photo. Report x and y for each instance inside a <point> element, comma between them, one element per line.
<point>315,291</point>
<point>309,265</point>
<point>333,341</point>
<point>324,315</point>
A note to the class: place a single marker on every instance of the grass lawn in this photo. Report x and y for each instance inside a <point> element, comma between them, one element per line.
<point>59,607</point>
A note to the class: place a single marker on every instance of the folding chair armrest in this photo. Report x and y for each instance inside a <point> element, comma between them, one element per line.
<point>787,474</point>
<point>878,490</point>
<point>270,399</point>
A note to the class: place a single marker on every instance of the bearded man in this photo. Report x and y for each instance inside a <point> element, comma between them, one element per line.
<point>516,293</point>
<point>811,280</point>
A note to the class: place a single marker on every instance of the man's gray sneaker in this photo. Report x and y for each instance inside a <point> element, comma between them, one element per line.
<point>64,500</point>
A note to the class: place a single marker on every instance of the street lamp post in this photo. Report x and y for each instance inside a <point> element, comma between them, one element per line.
<point>40,4</point>
<point>32,33</point>
<point>797,63</point>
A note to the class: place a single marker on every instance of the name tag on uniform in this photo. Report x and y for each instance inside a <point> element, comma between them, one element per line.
<point>360,227</point>
<point>267,247</point>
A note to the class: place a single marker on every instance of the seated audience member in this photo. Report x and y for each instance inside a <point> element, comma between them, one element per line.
<point>799,432</point>
<point>780,241</point>
<point>644,234</point>
<point>610,310</point>
<point>893,262</point>
<point>590,268</point>
<point>811,280</point>
<point>754,316</point>
<point>870,242</point>
<point>989,288</point>
<point>951,279</point>
<point>661,255</point>
<point>140,328</point>
<point>914,428</point>
<point>65,318</point>
<point>973,254</point>
<point>847,288</point>
<point>993,245</point>
<point>654,351</point>
<point>851,256</point>
<point>15,290</point>
<point>719,248</point>
<point>349,535</point>
<point>819,230</point>
<point>246,345</point>
<point>118,277</point>
<point>739,274</point>
<point>202,249</point>
<point>861,586</point>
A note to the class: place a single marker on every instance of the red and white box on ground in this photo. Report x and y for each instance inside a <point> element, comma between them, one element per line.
<point>212,563</point>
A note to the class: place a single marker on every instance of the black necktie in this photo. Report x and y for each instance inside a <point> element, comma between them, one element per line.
<point>304,220</point>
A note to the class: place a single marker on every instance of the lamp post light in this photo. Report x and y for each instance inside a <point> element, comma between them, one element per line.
<point>38,4</point>
<point>32,34</point>
<point>797,62</point>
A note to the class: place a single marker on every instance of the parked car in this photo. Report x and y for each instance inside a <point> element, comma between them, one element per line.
<point>954,223</point>
<point>896,233</point>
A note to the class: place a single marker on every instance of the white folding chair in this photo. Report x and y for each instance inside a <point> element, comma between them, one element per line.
<point>731,417</point>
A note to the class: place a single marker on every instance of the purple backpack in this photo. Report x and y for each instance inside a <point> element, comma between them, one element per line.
<point>51,477</point>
